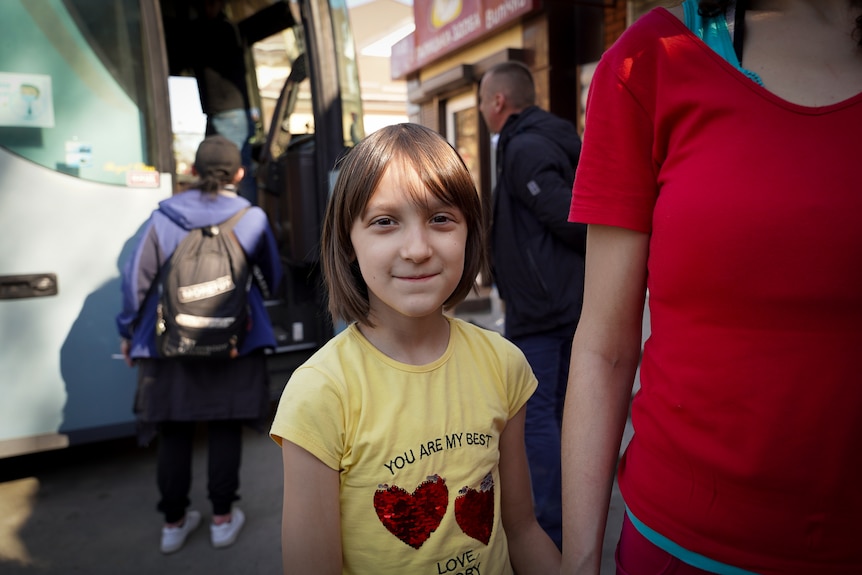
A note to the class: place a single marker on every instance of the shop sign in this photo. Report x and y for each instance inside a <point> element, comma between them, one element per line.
<point>445,25</point>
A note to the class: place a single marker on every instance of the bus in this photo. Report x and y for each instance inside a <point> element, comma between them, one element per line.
<point>98,123</point>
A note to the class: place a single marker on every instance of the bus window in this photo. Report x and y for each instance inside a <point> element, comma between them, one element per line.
<point>72,92</point>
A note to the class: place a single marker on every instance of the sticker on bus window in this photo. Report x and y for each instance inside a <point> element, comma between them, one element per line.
<point>78,154</point>
<point>26,100</point>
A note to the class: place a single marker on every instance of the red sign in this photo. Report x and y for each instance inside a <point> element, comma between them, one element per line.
<point>142,179</point>
<point>444,25</point>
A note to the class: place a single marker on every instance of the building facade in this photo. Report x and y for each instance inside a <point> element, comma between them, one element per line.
<point>456,41</point>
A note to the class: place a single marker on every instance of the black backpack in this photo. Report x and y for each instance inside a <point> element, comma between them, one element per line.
<point>202,310</point>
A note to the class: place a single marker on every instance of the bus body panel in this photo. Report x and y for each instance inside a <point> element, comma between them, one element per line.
<point>61,373</point>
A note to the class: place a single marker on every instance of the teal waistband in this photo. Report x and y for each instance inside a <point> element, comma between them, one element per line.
<point>683,554</point>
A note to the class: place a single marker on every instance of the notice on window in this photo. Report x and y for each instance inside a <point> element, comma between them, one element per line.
<point>78,154</point>
<point>26,100</point>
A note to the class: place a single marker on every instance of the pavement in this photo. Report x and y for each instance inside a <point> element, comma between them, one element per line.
<point>91,510</point>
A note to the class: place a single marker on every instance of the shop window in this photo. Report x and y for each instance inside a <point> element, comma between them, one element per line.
<point>462,131</point>
<point>638,8</point>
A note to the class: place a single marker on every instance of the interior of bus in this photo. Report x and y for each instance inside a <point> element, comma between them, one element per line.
<point>293,155</point>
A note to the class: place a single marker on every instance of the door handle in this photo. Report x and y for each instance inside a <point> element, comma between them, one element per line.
<point>30,285</point>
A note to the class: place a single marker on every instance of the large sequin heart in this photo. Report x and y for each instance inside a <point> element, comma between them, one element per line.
<point>474,510</point>
<point>412,517</point>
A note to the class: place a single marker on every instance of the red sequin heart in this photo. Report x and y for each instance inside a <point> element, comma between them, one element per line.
<point>474,510</point>
<point>412,517</point>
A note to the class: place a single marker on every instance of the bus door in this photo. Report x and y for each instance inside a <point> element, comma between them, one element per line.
<point>304,92</point>
<point>315,120</point>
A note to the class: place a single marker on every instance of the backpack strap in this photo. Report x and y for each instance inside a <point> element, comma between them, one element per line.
<point>229,223</point>
<point>256,275</point>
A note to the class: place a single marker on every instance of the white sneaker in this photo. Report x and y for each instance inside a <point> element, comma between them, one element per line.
<point>173,538</point>
<point>225,534</point>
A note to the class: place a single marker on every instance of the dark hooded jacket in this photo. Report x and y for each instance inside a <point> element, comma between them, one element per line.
<point>537,254</point>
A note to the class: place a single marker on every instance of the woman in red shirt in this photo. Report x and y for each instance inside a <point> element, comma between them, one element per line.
<point>726,183</point>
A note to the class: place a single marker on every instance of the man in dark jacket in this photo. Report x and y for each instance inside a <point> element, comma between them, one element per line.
<point>538,260</point>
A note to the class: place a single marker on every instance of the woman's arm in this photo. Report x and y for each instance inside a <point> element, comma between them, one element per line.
<point>605,356</point>
<point>530,548</point>
<point>311,517</point>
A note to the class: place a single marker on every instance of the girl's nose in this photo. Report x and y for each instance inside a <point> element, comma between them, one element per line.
<point>416,246</point>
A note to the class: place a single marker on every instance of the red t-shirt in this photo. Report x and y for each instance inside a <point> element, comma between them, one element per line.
<point>748,424</point>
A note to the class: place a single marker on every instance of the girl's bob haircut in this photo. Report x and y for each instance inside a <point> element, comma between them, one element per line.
<point>440,170</point>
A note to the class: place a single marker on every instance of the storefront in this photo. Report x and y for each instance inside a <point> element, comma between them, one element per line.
<point>456,41</point>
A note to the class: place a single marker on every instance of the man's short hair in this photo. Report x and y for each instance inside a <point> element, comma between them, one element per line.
<point>515,80</point>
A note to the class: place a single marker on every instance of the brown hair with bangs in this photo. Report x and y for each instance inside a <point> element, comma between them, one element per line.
<point>440,170</point>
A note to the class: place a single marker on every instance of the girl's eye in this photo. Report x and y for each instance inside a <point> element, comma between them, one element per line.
<point>382,222</point>
<point>440,219</point>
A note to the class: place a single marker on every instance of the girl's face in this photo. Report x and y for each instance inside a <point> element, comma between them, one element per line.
<point>411,254</point>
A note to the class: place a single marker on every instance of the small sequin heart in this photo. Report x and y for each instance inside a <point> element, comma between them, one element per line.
<point>474,510</point>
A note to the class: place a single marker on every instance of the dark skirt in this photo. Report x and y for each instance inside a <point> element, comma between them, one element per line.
<point>174,389</point>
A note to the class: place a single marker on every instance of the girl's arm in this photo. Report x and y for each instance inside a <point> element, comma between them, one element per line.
<point>530,548</point>
<point>311,518</point>
<point>605,356</point>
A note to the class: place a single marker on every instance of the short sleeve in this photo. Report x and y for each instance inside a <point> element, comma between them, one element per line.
<point>615,182</point>
<point>521,382</point>
<point>310,414</point>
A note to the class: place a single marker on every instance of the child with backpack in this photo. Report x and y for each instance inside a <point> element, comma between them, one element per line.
<point>403,437</point>
<point>196,328</point>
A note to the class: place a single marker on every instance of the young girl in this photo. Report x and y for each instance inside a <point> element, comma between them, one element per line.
<point>403,437</point>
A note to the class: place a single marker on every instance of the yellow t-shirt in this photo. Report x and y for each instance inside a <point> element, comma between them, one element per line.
<point>417,448</point>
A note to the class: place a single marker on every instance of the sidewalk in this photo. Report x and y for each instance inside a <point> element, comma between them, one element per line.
<point>91,510</point>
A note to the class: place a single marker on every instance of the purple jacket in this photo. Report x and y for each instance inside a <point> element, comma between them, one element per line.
<point>161,235</point>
